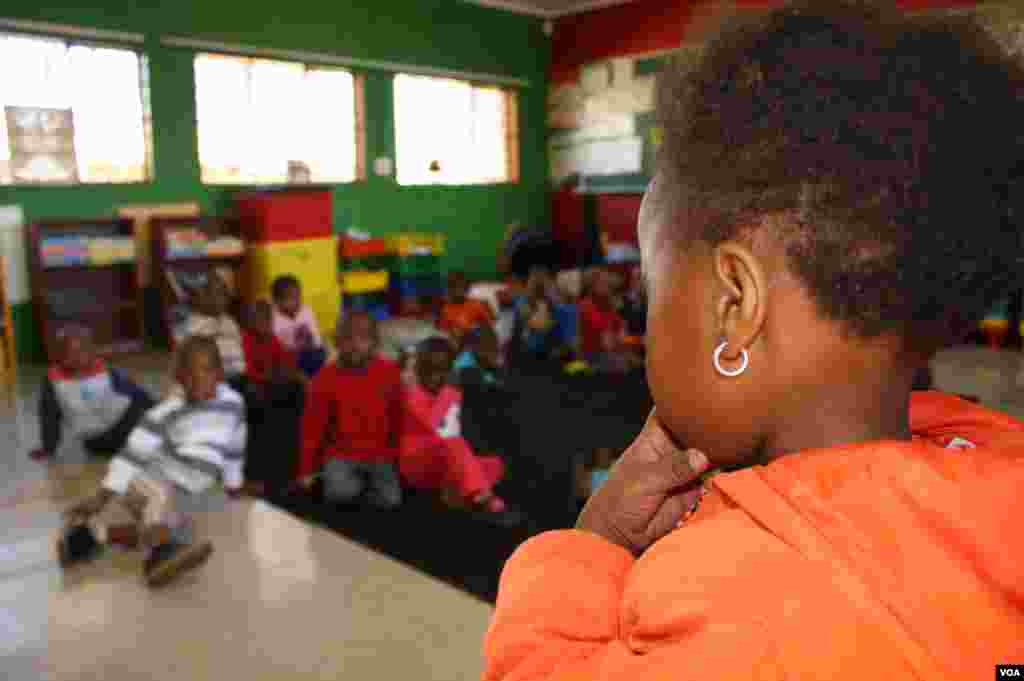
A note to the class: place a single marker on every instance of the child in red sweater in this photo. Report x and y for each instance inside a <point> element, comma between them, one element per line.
<point>433,453</point>
<point>274,395</point>
<point>352,418</point>
<point>602,329</point>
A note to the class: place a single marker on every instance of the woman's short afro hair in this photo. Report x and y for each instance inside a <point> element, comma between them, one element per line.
<point>889,145</point>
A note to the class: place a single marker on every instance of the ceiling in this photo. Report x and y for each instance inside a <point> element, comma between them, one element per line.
<point>548,8</point>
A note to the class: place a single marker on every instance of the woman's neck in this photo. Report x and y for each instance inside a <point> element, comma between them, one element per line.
<point>864,411</point>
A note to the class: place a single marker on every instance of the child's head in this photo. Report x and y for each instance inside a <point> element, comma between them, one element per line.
<point>75,348</point>
<point>356,340</point>
<point>458,287</point>
<point>539,282</point>
<point>287,294</point>
<point>434,358</point>
<point>199,368</point>
<point>213,299</point>
<point>260,318</point>
<point>601,284</point>
<point>820,211</point>
<point>483,343</point>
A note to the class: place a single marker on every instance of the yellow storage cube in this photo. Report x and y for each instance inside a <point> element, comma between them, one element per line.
<point>417,243</point>
<point>326,306</point>
<point>364,281</point>
<point>313,261</point>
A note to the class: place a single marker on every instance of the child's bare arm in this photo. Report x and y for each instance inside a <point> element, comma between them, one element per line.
<point>90,506</point>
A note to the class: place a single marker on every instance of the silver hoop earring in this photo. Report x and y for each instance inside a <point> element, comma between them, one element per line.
<point>744,361</point>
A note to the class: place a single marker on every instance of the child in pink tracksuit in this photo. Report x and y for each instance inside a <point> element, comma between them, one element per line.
<point>432,453</point>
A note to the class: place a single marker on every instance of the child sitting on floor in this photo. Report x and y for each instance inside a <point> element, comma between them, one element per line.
<point>274,402</point>
<point>267,361</point>
<point>352,420</point>
<point>461,314</point>
<point>433,455</point>
<point>295,325</point>
<point>545,325</point>
<point>100,406</point>
<point>480,362</point>
<point>209,317</point>
<point>172,460</point>
<point>602,329</point>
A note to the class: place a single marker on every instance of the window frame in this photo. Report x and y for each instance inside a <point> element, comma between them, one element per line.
<point>359,83</point>
<point>145,102</point>
<point>513,140</point>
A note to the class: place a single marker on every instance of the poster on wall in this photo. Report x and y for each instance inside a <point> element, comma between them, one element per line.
<point>604,136</point>
<point>42,144</point>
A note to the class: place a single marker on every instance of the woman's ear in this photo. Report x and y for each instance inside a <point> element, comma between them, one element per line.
<point>743,299</point>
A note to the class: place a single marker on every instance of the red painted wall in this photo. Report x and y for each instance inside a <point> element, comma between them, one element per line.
<point>638,27</point>
<point>617,215</point>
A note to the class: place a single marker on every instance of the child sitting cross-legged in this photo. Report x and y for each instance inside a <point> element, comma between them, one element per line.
<point>433,454</point>
<point>172,461</point>
<point>351,421</point>
<point>275,393</point>
<point>98,405</point>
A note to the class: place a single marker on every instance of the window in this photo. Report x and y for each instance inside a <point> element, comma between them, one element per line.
<point>72,113</point>
<point>275,122</point>
<point>453,132</point>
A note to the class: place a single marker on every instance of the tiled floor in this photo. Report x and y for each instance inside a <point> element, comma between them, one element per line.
<point>279,599</point>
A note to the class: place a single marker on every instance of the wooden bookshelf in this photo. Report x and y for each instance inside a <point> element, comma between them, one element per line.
<point>9,361</point>
<point>84,271</point>
<point>174,265</point>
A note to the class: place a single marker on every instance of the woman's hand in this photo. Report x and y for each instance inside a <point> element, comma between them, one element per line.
<point>651,488</point>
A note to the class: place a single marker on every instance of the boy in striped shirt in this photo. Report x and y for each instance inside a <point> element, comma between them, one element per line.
<point>172,462</point>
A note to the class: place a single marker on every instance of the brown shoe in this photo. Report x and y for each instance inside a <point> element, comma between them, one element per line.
<point>167,561</point>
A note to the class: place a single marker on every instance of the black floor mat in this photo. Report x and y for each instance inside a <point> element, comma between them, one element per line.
<point>458,547</point>
<point>559,418</point>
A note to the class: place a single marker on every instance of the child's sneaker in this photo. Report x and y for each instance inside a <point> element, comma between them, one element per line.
<point>77,545</point>
<point>167,561</point>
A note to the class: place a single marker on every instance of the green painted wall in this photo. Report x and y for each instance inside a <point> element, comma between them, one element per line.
<point>438,33</point>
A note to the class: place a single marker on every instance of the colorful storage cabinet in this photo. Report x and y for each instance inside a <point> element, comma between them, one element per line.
<point>365,275</point>
<point>417,269</point>
<point>289,232</point>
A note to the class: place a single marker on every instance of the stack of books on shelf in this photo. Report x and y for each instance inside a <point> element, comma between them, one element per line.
<point>190,242</point>
<point>77,250</point>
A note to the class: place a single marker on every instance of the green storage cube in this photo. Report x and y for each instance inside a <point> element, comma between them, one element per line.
<point>418,265</point>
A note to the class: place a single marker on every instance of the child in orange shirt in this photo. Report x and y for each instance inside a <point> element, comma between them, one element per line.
<point>462,314</point>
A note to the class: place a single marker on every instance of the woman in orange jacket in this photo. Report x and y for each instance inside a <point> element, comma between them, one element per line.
<point>836,198</point>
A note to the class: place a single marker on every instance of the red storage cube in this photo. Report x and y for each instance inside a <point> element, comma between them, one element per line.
<point>285,215</point>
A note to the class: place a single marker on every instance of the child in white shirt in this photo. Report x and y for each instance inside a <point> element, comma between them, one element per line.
<point>209,317</point>
<point>177,454</point>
